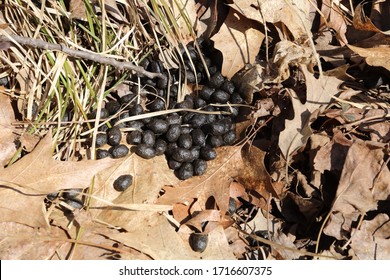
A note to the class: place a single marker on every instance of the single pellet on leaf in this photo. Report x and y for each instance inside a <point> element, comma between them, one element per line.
<point>198,242</point>
<point>123,182</point>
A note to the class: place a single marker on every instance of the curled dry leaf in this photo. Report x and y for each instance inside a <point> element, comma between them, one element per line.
<point>293,14</point>
<point>239,40</point>
<point>365,180</point>
<point>376,56</point>
<point>318,93</point>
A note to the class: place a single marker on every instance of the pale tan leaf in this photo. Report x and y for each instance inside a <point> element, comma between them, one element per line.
<point>371,240</point>
<point>22,242</point>
<point>239,41</point>
<point>365,179</point>
<point>376,56</point>
<point>319,93</point>
<point>25,183</point>
<point>7,135</point>
<point>293,14</point>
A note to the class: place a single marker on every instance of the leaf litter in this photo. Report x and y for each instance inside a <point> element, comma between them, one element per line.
<point>311,181</point>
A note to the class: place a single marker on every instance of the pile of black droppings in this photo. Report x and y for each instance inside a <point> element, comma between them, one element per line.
<point>188,139</point>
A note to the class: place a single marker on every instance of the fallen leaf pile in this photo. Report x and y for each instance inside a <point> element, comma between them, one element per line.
<point>308,178</point>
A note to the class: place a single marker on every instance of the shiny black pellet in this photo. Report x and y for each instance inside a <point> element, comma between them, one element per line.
<point>185,171</point>
<point>119,151</point>
<point>101,139</point>
<point>185,141</point>
<point>200,167</point>
<point>198,242</point>
<point>158,126</point>
<point>173,133</point>
<point>198,137</point>
<point>123,182</point>
<point>148,138</point>
<point>160,146</point>
<point>182,155</point>
<point>100,153</point>
<point>220,96</point>
<point>207,153</point>
<point>205,93</point>
<point>216,80</point>
<point>114,136</point>
<point>145,151</point>
<point>157,104</point>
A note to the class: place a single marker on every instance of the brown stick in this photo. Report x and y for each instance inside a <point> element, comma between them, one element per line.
<point>38,43</point>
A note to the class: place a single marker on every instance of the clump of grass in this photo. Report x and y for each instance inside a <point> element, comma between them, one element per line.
<point>56,91</point>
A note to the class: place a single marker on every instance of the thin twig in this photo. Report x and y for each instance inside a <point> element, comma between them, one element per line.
<point>38,43</point>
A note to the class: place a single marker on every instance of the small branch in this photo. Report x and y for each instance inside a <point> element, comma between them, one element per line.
<point>38,43</point>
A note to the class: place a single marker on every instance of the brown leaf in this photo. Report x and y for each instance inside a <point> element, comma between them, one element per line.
<point>365,180</point>
<point>7,136</point>
<point>371,240</point>
<point>376,56</point>
<point>21,242</point>
<point>333,18</point>
<point>246,167</point>
<point>239,41</point>
<point>318,93</point>
<point>293,15</point>
<point>25,183</point>
<point>331,156</point>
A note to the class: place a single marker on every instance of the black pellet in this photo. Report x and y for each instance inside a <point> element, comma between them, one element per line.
<point>114,136</point>
<point>198,137</point>
<point>100,153</point>
<point>158,126</point>
<point>148,138</point>
<point>185,171</point>
<point>101,139</point>
<point>208,153</point>
<point>119,151</point>
<point>200,167</point>
<point>123,182</point>
<point>145,151</point>
<point>185,141</point>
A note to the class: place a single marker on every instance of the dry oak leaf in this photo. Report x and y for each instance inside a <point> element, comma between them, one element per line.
<point>232,163</point>
<point>375,56</point>
<point>239,40</point>
<point>318,93</point>
<point>371,240</point>
<point>24,184</point>
<point>22,242</point>
<point>365,179</point>
<point>7,136</point>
